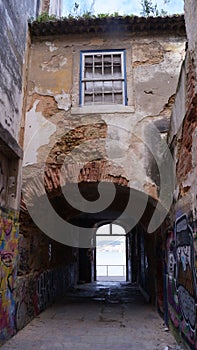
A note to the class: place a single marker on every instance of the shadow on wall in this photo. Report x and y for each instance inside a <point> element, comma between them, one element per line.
<point>23,297</point>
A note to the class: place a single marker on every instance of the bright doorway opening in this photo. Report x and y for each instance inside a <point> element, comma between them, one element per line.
<point>110,253</point>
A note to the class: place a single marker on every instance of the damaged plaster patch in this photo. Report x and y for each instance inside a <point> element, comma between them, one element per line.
<point>146,54</point>
<point>54,64</point>
<point>51,46</point>
<point>63,101</point>
<point>49,103</point>
<point>38,133</point>
<point>46,104</point>
<point>151,189</point>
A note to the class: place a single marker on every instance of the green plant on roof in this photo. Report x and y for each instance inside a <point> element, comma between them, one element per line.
<point>44,17</point>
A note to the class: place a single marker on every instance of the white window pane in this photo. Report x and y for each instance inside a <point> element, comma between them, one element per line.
<point>88,73</point>
<point>117,72</point>
<point>98,58</point>
<point>108,99</point>
<point>117,58</point>
<point>97,98</point>
<point>118,98</point>
<point>88,99</point>
<point>107,72</point>
<point>98,85</point>
<point>117,86</point>
<point>89,87</point>
<point>103,230</point>
<point>117,230</point>
<point>97,72</point>
<point>107,86</point>
<point>88,60</point>
<point>107,60</point>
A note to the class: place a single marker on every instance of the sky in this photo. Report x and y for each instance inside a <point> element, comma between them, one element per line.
<point>124,7</point>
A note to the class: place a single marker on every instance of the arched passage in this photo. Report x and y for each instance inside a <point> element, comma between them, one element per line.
<point>67,265</point>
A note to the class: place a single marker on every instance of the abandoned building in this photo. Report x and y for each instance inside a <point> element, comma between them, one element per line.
<point>98,138</point>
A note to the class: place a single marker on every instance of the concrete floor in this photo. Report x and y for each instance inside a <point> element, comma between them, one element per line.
<point>99,316</point>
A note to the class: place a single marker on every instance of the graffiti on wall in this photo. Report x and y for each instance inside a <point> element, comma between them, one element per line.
<point>37,291</point>
<point>182,289</point>
<point>8,262</point>
<point>185,273</point>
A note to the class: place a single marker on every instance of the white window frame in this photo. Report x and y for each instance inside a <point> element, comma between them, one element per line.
<point>112,78</point>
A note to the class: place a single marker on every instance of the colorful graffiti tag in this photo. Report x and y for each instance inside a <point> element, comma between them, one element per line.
<point>8,261</point>
<point>182,288</point>
<point>39,290</point>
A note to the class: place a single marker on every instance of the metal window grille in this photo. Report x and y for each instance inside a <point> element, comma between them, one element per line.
<point>103,78</point>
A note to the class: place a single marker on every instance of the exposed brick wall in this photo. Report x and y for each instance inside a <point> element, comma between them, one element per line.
<point>94,171</point>
<point>184,164</point>
<point>183,140</point>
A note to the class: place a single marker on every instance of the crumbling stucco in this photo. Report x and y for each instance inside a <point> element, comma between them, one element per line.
<point>54,82</point>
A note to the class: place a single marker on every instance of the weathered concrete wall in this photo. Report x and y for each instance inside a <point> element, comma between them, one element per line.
<point>14,29</point>
<point>181,245</point>
<point>53,105</point>
<point>13,26</point>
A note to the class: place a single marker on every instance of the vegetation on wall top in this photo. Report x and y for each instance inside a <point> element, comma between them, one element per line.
<point>149,8</point>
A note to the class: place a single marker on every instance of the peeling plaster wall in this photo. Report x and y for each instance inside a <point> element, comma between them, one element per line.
<point>181,236</point>
<point>13,15</point>
<point>54,94</point>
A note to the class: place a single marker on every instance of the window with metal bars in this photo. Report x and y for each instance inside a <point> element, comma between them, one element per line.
<point>103,80</point>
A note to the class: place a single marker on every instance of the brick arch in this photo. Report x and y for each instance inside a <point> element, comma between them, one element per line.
<point>101,170</point>
<point>91,172</point>
<point>94,171</point>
